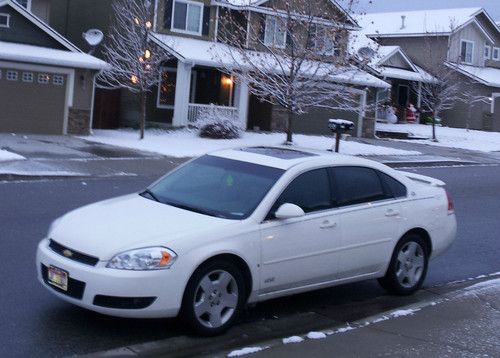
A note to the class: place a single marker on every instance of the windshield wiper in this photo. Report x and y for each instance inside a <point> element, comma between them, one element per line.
<point>193,209</point>
<point>150,194</point>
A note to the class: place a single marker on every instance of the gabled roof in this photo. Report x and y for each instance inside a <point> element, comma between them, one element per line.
<point>40,24</point>
<point>245,4</point>
<point>422,22</point>
<point>381,54</point>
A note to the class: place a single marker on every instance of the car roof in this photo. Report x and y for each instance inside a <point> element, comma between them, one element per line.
<point>286,157</point>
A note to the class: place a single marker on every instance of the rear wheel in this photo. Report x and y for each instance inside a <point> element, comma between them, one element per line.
<point>408,267</point>
<point>214,297</point>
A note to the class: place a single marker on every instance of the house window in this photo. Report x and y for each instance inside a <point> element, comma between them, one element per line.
<point>275,32</point>
<point>24,3</point>
<point>58,80</point>
<point>5,20</point>
<point>166,90</point>
<point>27,76</point>
<point>467,51</point>
<point>187,16</point>
<point>496,53</point>
<point>43,78</point>
<point>324,41</point>
<point>12,75</point>
<point>487,52</point>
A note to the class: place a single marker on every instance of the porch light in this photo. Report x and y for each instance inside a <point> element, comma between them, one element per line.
<point>227,81</point>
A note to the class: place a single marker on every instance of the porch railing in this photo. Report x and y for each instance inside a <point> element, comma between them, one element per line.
<point>203,112</point>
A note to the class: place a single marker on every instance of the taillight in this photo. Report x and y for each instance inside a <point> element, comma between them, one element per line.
<point>451,208</point>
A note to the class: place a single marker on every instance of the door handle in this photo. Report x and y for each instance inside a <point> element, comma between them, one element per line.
<point>391,213</point>
<point>327,224</point>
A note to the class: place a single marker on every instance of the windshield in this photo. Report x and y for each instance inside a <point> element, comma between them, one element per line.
<point>215,186</point>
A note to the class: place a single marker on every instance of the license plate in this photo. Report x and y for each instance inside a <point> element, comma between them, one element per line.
<point>58,277</point>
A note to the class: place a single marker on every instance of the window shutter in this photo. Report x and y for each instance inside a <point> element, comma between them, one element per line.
<point>167,17</point>
<point>206,20</point>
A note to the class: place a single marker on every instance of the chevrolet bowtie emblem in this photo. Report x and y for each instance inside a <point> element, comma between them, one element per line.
<point>67,253</point>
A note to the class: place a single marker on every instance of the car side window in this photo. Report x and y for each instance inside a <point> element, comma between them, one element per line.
<point>356,185</point>
<point>394,187</point>
<point>310,191</point>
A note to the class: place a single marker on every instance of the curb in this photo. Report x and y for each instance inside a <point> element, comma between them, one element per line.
<point>433,295</point>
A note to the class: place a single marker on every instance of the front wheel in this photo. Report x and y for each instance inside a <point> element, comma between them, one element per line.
<point>408,267</point>
<point>214,297</point>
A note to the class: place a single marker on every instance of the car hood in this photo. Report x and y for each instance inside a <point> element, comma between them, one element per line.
<point>107,228</point>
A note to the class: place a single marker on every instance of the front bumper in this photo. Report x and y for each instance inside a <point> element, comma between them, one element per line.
<point>163,287</point>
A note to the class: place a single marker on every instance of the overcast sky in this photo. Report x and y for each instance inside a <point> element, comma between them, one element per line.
<point>491,6</point>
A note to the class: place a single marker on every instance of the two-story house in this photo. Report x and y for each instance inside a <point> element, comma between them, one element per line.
<point>46,82</point>
<point>193,81</point>
<point>467,40</point>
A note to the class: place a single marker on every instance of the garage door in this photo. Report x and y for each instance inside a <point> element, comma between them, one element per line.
<point>32,102</point>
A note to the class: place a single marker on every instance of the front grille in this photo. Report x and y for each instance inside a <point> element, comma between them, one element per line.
<point>75,287</point>
<point>131,303</point>
<point>75,255</point>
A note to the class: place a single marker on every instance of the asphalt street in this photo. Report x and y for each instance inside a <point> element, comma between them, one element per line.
<point>35,323</point>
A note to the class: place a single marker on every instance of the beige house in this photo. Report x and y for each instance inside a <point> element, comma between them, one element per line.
<point>467,40</point>
<point>46,83</point>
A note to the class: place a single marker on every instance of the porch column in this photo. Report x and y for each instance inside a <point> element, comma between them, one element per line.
<point>419,95</point>
<point>182,91</point>
<point>241,100</point>
<point>362,112</point>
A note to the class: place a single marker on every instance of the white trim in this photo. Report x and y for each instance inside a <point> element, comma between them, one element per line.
<point>165,69</point>
<point>28,77</point>
<point>70,83</point>
<point>497,58</point>
<point>481,28</point>
<point>247,40</point>
<point>7,25</point>
<point>216,32</point>
<point>405,57</point>
<point>487,52</point>
<point>155,16</point>
<point>28,5</point>
<point>494,96</point>
<point>188,2</point>
<point>464,60</point>
<point>92,103</point>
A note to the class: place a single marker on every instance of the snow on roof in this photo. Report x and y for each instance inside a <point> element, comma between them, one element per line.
<point>16,52</point>
<point>215,54</point>
<point>400,73</point>
<point>416,22</point>
<point>486,75</point>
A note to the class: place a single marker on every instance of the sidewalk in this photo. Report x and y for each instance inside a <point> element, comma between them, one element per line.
<point>464,323</point>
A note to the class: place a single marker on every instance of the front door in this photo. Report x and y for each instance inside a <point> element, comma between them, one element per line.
<point>301,251</point>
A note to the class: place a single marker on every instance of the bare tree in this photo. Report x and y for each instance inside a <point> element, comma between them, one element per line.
<point>295,56</point>
<point>134,61</point>
<point>440,95</point>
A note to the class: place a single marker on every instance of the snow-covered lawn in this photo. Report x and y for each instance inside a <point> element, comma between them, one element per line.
<point>6,156</point>
<point>449,137</point>
<point>186,143</point>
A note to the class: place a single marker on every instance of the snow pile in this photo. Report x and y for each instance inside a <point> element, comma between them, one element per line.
<point>448,137</point>
<point>402,313</point>
<point>482,288</point>
<point>186,143</point>
<point>6,156</point>
<point>293,339</point>
<point>316,335</point>
<point>244,351</point>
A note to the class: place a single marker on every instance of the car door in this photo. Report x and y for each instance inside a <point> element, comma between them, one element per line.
<point>370,220</point>
<point>301,251</point>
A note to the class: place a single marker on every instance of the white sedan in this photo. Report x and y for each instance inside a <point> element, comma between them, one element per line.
<point>246,225</point>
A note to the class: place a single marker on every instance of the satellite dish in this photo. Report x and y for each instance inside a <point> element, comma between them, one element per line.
<point>93,37</point>
<point>366,53</point>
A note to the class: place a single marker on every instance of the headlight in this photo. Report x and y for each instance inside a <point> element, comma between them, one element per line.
<point>150,258</point>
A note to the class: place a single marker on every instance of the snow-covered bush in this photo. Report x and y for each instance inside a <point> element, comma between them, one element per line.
<point>217,123</point>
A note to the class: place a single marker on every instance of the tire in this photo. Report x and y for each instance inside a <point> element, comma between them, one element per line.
<point>214,298</point>
<point>408,267</point>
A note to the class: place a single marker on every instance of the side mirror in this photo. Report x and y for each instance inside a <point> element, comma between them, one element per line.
<point>289,211</point>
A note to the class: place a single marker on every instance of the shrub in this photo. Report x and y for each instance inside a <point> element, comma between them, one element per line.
<point>220,130</point>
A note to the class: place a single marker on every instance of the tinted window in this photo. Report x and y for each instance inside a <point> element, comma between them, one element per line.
<point>216,186</point>
<point>356,185</point>
<point>394,187</point>
<point>310,191</point>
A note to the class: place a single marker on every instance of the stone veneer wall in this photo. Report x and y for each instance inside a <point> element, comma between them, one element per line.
<point>79,121</point>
